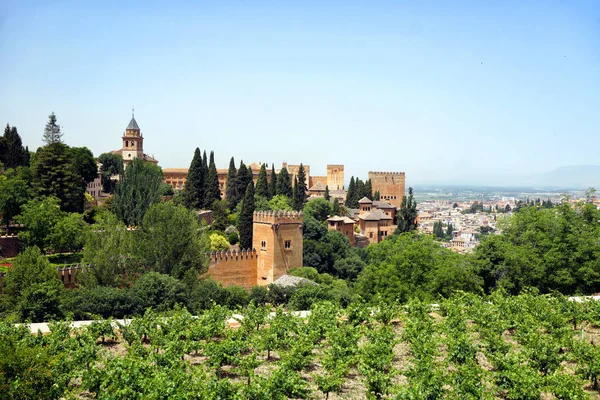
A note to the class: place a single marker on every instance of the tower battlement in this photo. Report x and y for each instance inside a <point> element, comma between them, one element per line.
<point>219,256</point>
<point>380,173</point>
<point>278,217</point>
<point>335,166</point>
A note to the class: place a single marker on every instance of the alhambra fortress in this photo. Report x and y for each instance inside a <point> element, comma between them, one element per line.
<point>277,235</point>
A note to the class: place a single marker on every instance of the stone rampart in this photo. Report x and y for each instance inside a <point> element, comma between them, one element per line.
<point>234,267</point>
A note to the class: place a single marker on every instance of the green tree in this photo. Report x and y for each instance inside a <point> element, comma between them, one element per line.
<point>68,233</point>
<point>139,189</point>
<point>109,249</point>
<point>262,185</point>
<point>39,217</point>
<point>272,183</point>
<point>84,164</point>
<point>361,190</point>
<point>13,154</point>
<point>52,132</point>
<point>111,171</point>
<point>377,196</point>
<point>352,195</point>
<point>301,193</point>
<point>170,240</point>
<point>157,291</point>
<point>449,231</point>
<point>335,210</point>
<point>326,196</point>
<point>213,191</point>
<point>246,217</point>
<point>242,179</point>
<point>369,189</point>
<point>284,183</point>
<point>219,215</point>
<point>231,185</point>
<point>280,202</point>
<point>407,217</point>
<point>55,175</point>
<point>406,266</point>
<point>31,287</point>
<point>14,192</point>
<point>218,242</point>
<point>194,185</point>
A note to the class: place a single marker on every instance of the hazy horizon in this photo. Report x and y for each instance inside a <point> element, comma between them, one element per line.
<point>460,93</point>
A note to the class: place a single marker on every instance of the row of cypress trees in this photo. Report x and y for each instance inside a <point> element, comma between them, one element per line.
<point>357,189</point>
<point>202,189</point>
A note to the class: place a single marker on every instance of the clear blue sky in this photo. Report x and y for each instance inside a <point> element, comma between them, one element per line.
<point>446,91</point>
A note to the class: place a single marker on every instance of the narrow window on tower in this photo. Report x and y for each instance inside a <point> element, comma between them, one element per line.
<point>288,244</point>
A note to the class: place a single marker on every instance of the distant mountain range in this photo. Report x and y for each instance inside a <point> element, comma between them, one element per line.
<point>570,177</point>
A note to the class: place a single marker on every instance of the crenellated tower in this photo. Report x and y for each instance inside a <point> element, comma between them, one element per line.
<point>277,238</point>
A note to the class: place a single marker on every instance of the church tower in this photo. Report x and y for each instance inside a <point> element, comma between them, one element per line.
<point>133,141</point>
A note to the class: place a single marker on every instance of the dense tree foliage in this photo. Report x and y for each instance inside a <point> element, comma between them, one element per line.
<point>407,216</point>
<point>272,183</point>
<point>408,265</point>
<point>262,184</point>
<point>284,183</point>
<point>246,218</point>
<point>231,190</point>
<point>55,175</point>
<point>12,152</point>
<point>139,189</point>
<point>213,191</point>
<point>194,185</point>
<point>548,248</point>
<point>14,192</point>
<point>111,171</point>
<point>170,241</point>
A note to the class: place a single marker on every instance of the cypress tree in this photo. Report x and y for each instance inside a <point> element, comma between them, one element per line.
<point>296,201</point>
<point>369,189</point>
<point>449,231</point>
<point>262,185</point>
<point>273,183</point>
<point>242,181</point>
<point>193,194</point>
<point>327,196</point>
<point>245,218</point>
<point>408,214</point>
<point>360,189</point>
<point>52,132</point>
<point>213,192</point>
<point>14,153</point>
<point>284,183</point>
<point>301,187</point>
<point>377,196</point>
<point>336,206</point>
<point>351,194</point>
<point>231,184</point>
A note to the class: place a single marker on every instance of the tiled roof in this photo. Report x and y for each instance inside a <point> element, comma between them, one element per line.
<point>375,215</point>
<point>365,200</point>
<point>384,205</point>
<point>133,124</point>
<point>318,186</point>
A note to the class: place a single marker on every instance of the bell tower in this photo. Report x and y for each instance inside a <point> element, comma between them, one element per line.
<point>133,141</point>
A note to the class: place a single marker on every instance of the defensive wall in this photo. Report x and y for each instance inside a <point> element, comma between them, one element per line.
<point>234,268</point>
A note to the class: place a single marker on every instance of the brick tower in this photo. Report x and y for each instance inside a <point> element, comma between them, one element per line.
<point>335,176</point>
<point>277,238</point>
<point>390,185</point>
<point>133,142</point>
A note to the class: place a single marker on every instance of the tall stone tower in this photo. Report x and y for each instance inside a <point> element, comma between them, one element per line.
<point>277,238</point>
<point>133,142</point>
<point>335,176</point>
<point>390,185</point>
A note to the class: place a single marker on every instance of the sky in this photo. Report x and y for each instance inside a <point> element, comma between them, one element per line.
<point>446,91</point>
